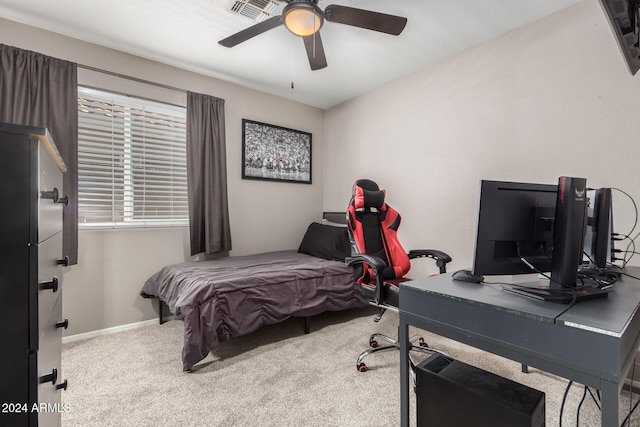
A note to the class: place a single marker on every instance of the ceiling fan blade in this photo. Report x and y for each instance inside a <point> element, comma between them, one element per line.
<point>255,30</point>
<point>376,21</point>
<point>315,51</point>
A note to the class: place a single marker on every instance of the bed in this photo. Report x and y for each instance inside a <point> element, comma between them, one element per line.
<point>228,297</point>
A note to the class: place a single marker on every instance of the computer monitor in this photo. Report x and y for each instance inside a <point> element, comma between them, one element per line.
<point>525,228</point>
<point>515,221</point>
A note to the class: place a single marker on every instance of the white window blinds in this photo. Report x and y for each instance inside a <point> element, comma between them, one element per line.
<point>131,161</point>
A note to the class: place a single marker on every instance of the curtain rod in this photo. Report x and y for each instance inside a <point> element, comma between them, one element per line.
<point>135,79</point>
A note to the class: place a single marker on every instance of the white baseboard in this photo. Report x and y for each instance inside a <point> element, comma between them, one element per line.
<point>108,331</point>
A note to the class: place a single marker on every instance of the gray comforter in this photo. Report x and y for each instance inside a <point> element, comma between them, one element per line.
<point>229,297</point>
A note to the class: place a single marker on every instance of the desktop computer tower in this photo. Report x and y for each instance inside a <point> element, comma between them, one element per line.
<point>453,394</point>
<point>569,231</point>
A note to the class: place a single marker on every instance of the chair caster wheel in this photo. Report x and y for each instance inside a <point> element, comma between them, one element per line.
<point>423,343</point>
<point>362,367</point>
<point>373,343</point>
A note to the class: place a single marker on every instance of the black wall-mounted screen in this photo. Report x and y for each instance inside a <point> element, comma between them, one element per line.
<point>623,19</point>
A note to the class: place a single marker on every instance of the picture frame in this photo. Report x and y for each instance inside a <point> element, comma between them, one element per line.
<point>275,153</point>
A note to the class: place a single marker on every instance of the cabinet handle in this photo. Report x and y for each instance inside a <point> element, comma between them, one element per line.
<point>53,285</point>
<point>62,386</point>
<point>53,195</point>
<point>52,377</point>
<point>64,261</point>
<point>64,200</point>
<point>63,324</point>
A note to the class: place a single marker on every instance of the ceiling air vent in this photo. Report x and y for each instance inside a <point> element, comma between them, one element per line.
<point>256,10</point>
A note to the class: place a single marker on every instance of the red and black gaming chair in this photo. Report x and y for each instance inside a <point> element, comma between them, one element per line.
<point>379,263</point>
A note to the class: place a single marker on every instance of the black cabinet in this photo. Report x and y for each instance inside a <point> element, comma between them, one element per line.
<point>31,261</point>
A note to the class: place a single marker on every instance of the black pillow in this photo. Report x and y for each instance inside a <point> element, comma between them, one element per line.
<point>326,241</point>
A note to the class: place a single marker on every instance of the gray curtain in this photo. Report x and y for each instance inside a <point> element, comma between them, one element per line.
<point>38,90</point>
<point>207,175</point>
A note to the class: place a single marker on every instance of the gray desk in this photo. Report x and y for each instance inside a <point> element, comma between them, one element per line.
<point>593,343</point>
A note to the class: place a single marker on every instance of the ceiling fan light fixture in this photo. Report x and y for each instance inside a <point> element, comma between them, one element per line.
<point>302,18</point>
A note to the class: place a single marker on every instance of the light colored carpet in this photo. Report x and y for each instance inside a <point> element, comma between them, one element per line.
<point>277,376</point>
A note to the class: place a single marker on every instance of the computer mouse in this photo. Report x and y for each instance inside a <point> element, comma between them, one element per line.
<point>467,276</point>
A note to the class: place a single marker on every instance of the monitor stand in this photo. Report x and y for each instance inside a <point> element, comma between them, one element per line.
<point>540,290</point>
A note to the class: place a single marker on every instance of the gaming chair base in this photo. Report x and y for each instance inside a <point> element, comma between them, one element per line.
<point>417,344</point>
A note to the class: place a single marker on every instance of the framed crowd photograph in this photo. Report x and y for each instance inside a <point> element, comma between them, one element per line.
<point>275,153</point>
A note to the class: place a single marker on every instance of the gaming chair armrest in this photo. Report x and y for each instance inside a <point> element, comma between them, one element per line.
<point>440,257</point>
<point>376,263</point>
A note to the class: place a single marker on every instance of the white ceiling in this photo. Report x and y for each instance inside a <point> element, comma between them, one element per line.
<point>184,33</point>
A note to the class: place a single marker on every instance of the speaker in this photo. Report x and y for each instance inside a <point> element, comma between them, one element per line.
<point>453,394</point>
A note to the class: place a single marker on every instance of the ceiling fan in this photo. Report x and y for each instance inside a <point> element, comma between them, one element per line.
<point>304,18</point>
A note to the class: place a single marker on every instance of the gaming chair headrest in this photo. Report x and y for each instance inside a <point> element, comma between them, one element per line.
<point>367,194</point>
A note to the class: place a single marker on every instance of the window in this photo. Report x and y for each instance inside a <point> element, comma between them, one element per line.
<point>132,168</point>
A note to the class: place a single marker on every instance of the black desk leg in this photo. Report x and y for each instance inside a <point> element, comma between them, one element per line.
<point>610,401</point>
<point>403,337</point>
